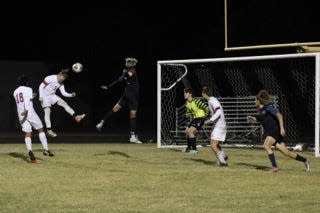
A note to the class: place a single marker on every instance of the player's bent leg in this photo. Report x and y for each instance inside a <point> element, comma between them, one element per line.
<point>115,109</point>
<point>284,150</point>
<point>221,157</point>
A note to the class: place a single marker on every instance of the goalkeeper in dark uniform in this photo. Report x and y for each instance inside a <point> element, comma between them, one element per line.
<point>129,97</point>
<point>197,110</point>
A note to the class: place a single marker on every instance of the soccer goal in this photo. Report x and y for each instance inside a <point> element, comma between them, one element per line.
<point>292,79</point>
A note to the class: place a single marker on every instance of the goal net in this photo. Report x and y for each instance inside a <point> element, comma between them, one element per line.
<point>291,79</point>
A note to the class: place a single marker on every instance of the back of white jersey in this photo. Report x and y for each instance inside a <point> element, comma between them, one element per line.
<point>49,85</point>
<point>23,98</point>
<point>215,107</point>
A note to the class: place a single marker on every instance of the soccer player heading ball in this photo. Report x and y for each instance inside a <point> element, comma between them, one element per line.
<point>28,118</point>
<point>48,98</point>
<point>273,125</point>
<point>129,98</point>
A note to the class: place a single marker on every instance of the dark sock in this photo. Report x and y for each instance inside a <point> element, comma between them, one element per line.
<point>133,125</point>
<point>74,115</point>
<point>108,115</point>
<point>300,158</point>
<point>193,143</point>
<point>188,143</point>
<point>272,160</point>
<point>49,128</point>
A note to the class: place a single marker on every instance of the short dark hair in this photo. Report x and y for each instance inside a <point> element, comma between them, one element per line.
<point>188,90</point>
<point>208,91</point>
<point>64,72</point>
<point>23,80</point>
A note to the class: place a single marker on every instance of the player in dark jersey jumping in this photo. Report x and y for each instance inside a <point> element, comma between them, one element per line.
<point>129,97</point>
<point>272,121</point>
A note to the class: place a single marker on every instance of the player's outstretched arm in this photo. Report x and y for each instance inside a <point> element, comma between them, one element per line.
<point>66,94</point>
<point>251,118</point>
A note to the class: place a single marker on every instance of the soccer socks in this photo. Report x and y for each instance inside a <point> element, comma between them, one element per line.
<point>193,143</point>
<point>300,158</point>
<point>107,115</point>
<point>272,160</point>
<point>221,156</point>
<point>47,112</point>
<point>27,140</point>
<point>132,125</point>
<point>66,107</point>
<point>43,140</point>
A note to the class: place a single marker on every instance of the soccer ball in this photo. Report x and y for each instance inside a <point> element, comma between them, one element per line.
<point>77,67</point>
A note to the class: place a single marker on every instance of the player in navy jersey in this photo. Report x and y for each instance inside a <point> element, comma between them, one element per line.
<point>129,98</point>
<point>272,122</point>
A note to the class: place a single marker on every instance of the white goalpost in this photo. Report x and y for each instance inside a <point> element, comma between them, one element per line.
<point>292,79</point>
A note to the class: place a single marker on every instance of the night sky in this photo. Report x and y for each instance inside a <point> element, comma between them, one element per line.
<point>101,34</point>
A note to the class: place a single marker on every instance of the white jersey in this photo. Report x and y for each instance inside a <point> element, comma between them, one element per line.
<point>50,85</point>
<point>217,114</point>
<point>23,97</point>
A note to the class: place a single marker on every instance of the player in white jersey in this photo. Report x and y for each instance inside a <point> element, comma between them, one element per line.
<point>48,97</point>
<point>219,131</point>
<point>28,118</point>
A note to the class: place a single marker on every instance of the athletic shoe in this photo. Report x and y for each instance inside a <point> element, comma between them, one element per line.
<point>226,157</point>
<point>78,118</point>
<point>193,151</point>
<point>32,157</point>
<point>48,152</point>
<point>223,165</point>
<point>274,170</point>
<point>186,150</point>
<point>51,133</point>
<point>134,139</point>
<point>100,125</point>
<point>307,165</point>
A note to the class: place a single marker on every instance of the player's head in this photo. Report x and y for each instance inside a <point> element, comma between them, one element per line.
<point>188,93</point>
<point>23,80</point>
<point>207,92</point>
<point>131,62</point>
<point>62,75</point>
<point>263,98</point>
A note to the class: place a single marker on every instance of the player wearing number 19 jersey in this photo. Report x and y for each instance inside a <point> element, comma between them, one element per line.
<point>28,118</point>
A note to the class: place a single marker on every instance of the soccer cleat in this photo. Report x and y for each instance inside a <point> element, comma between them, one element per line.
<point>307,165</point>
<point>48,152</point>
<point>187,150</point>
<point>192,151</point>
<point>32,157</point>
<point>51,133</point>
<point>100,125</point>
<point>78,118</point>
<point>226,157</point>
<point>223,165</point>
<point>274,170</point>
<point>134,139</point>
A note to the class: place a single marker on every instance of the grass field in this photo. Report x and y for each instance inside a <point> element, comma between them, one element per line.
<point>142,178</point>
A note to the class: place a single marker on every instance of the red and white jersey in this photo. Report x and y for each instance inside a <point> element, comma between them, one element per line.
<point>23,98</point>
<point>217,114</point>
<point>50,85</point>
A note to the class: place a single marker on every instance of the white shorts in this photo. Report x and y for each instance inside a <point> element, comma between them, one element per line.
<point>32,120</point>
<point>50,100</point>
<point>219,134</point>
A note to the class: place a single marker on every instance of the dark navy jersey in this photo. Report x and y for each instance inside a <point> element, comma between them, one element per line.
<point>131,78</point>
<point>267,117</point>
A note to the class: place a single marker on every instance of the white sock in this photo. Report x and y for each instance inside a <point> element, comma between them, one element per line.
<point>47,112</point>
<point>66,107</point>
<point>27,140</point>
<point>224,155</point>
<point>43,140</point>
<point>220,156</point>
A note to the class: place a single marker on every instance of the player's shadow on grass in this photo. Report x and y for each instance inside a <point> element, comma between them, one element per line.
<point>207,162</point>
<point>258,167</point>
<point>22,156</point>
<point>19,155</point>
<point>119,153</point>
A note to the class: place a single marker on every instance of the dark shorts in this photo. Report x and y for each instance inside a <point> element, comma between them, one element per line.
<point>197,123</point>
<point>279,138</point>
<point>130,99</point>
